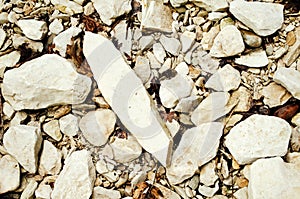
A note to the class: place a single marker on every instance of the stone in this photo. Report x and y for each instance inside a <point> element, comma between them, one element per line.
<point>52,129</point>
<point>273,178</point>
<point>208,38</point>
<point>263,18</point>
<point>275,95</point>
<point>296,120</point>
<point>9,60</point>
<point>294,51</point>
<point>2,37</point>
<point>225,79</point>
<point>173,127</point>
<point>207,63</point>
<point>178,3</point>
<point>29,190</point>
<point>208,191</point>
<point>290,79</point>
<point>256,59</point>
<point>8,111</point>
<point>172,90</point>
<point>167,193</point>
<point>66,6</point>
<point>156,16</point>
<point>216,16</point>
<point>123,38</point>
<point>35,46</point>
<point>33,29</point>
<point>187,39</point>
<point>159,52</point>
<point>212,5</point>
<point>63,39</point>
<point>97,126</point>
<point>243,97</point>
<point>50,160</point>
<point>103,193</point>
<point>170,44</point>
<point>251,39</point>
<point>211,108</point>
<point>28,140</point>
<point>125,93</point>
<point>142,68</point>
<point>228,42</point>
<point>257,137</point>
<point>78,165</point>
<point>43,191</point>
<point>126,150</point>
<point>65,87</point>
<point>182,68</point>
<point>56,26</point>
<point>197,146</point>
<point>145,42</point>
<point>188,104</point>
<point>101,167</point>
<point>110,10</point>
<point>69,125</point>
<point>208,174</point>
<point>10,174</point>
<point>154,63</point>
<point>241,193</point>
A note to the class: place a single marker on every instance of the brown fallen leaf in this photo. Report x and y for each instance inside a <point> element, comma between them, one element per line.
<point>287,112</point>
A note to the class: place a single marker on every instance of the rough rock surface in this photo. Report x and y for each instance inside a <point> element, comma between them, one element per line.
<point>142,68</point>
<point>9,175</point>
<point>65,87</point>
<point>255,59</point>
<point>52,129</point>
<point>50,159</point>
<point>103,193</point>
<point>275,95</point>
<point>24,143</point>
<point>33,29</point>
<point>258,136</point>
<point>76,180</point>
<point>211,5</point>
<point>263,18</point>
<point>68,125</point>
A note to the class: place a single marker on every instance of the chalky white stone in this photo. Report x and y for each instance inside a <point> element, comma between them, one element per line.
<point>33,29</point>
<point>9,175</point>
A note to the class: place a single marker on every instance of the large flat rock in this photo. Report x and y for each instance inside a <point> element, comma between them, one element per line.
<point>125,93</point>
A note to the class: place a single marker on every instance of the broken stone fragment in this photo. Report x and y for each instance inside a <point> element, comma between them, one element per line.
<point>66,6</point>
<point>50,87</point>
<point>257,59</point>
<point>275,95</point>
<point>142,68</point>
<point>33,29</point>
<point>125,93</point>
<point>9,175</point>
<point>171,45</point>
<point>52,129</point>
<point>50,160</point>
<point>103,193</point>
<point>294,50</point>
<point>211,5</point>
<point>2,37</point>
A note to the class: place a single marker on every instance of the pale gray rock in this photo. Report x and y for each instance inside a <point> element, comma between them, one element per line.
<point>126,150</point>
<point>256,59</point>
<point>71,7</point>
<point>56,26</point>
<point>212,5</point>
<point>50,87</point>
<point>243,97</point>
<point>197,146</point>
<point>159,52</point>
<point>9,60</point>
<point>251,39</point>
<point>208,191</point>
<point>172,90</point>
<point>187,39</point>
<point>154,63</point>
<point>207,63</point>
<point>208,38</point>
<point>188,104</point>
<point>9,175</point>
<point>97,126</point>
<point>35,46</point>
<point>145,42</point>
<point>43,191</point>
<point>2,37</point>
<point>290,79</point>
<point>142,68</point>
<point>275,95</point>
<point>69,125</point>
<point>170,44</point>
<point>241,193</point>
<point>24,143</point>
<point>273,178</point>
<point>178,3</point>
<point>7,109</point>
<point>78,165</point>
<point>52,129</point>
<point>257,137</point>
<point>225,79</point>
<point>228,42</point>
<point>263,18</point>
<point>216,16</point>
<point>124,38</point>
<point>101,167</point>
<point>29,190</point>
<point>109,10</point>
<point>208,174</point>
<point>103,193</point>
<point>33,29</point>
<point>50,159</point>
<point>125,93</point>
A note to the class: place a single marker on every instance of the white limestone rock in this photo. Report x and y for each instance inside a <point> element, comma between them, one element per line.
<point>2,37</point>
<point>188,104</point>
<point>187,39</point>
<point>29,190</point>
<point>33,29</point>
<point>125,93</point>
<point>197,146</point>
<point>69,125</point>
<point>35,46</point>
<point>52,129</point>
<point>97,126</point>
<point>126,150</point>
<point>212,5</point>
<point>43,191</point>
<point>9,60</point>
<point>256,59</point>
<point>207,63</point>
<point>24,143</point>
<point>243,97</point>
<point>275,95</point>
<point>56,26</point>
<point>225,79</point>
<point>103,193</point>
<point>263,18</point>
<point>67,6</point>
<point>167,193</point>
<point>209,191</point>
<point>50,87</point>
<point>178,3</point>
<point>228,42</point>
<point>296,120</point>
<point>273,178</point>
<point>170,44</point>
<point>63,39</point>
<point>294,51</point>
<point>9,175</point>
<point>78,165</point>
<point>208,38</point>
<point>290,79</point>
<point>241,193</point>
<point>159,52</point>
<point>208,174</point>
<point>50,159</point>
<point>172,90</point>
<point>142,68</point>
<point>257,137</point>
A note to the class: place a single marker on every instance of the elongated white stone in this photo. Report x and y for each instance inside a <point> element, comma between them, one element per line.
<point>125,93</point>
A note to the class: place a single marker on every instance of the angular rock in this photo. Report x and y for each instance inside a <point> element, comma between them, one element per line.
<point>28,192</point>
<point>208,191</point>
<point>125,93</point>
<point>159,52</point>
<point>207,63</point>
<point>126,150</point>
<point>103,193</point>
<point>172,90</point>
<point>142,68</point>
<point>68,125</point>
<point>225,79</point>
<point>178,3</point>
<point>216,16</point>
<point>243,97</point>
<point>33,29</point>
<point>154,63</point>
<point>170,44</point>
<point>241,193</point>
<point>294,50</point>
<point>156,16</point>
<point>188,104</point>
<point>187,39</point>
<point>43,191</point>
<point>56,26</point>
<point>228,42</point>
<point>79,165</point>
<point>211,108</point>
<point>50,160</point>
<point>275,95</point>
<point>52,129</point>
<point>197,146</point>
<point>212,5</point>
<point>273,178</point>
<point>97,126</point>
<point>50,87</point>
<point>296,119</point>
<point>35,46</point>
<point>255,59</point>
<point>2,37</point>
<point>9,175</point>
<point>208,37</point>
<point>258,136</point>
<point>208,174</point>
<point>9,60</point>
<point>290,79</point>
<point>263,18</point>
<point>24,143</point>
<point>109,10</point>
<point>251,39</point>
<point>63,39</point>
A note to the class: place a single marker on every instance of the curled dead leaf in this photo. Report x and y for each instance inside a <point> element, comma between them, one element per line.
<point>287,112</point>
